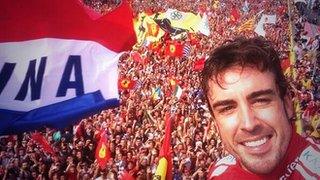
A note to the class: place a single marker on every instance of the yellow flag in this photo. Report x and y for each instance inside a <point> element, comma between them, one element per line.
<point>248,25</point>
<point>146,29</point>
<point>183,20</point>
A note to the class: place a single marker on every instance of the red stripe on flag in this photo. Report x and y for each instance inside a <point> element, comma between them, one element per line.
<point>35,19</point>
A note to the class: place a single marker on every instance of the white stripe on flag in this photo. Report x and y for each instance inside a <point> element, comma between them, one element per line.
<point>98,70</point>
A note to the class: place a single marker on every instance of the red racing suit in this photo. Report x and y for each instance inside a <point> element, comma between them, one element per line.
<point>302,161</point>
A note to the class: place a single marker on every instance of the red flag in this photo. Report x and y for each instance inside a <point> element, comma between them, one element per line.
<point>165,152</point>
<point>66,19</point>
<point>125,83</point>
<point>235,15</point>
<point>174,49</point>
<point>102,151</point>
<point>43,143</point>
<point>285,64</point>
<point>199,64</point>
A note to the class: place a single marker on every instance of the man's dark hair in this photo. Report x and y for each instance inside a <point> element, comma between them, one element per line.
<point>255,52</point>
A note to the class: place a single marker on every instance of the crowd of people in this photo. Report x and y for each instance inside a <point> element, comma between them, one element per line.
<point>305,75</point>
<point>135,129</point>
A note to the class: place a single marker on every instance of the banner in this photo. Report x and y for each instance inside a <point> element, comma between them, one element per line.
<point>57,64</point>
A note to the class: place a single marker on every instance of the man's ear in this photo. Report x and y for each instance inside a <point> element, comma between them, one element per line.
<point>288,105</point>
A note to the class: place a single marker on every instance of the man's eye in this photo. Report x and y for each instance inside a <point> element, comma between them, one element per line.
<point>261,101</point>
<point>225,109</point>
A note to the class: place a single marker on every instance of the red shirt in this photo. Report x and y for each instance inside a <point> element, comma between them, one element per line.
<point>302,161</point>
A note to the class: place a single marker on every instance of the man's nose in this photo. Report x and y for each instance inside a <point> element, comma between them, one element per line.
<point>248,121</point>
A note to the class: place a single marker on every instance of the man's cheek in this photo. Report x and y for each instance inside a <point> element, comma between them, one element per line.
<point>267,114</point>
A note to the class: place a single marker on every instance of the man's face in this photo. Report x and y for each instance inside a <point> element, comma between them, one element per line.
<point>251,117</point>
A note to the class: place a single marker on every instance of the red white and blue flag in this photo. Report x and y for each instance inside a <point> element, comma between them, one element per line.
<point>57,63</point>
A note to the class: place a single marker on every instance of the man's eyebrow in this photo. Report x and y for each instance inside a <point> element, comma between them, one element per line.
<point>222,103</point>
<point>261,93</point>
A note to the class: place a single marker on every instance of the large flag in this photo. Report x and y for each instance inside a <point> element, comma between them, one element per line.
<point>165,24</point>
<point>58,65</point>
<point>164,168</point>
<point>183,20</point>
<point>102,151</point>
<point>147,29</point>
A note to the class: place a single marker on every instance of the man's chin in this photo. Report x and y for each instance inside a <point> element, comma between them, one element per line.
<point>259,165</point>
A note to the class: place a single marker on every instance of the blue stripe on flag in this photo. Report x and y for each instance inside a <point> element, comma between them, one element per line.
<point>59,115</point>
